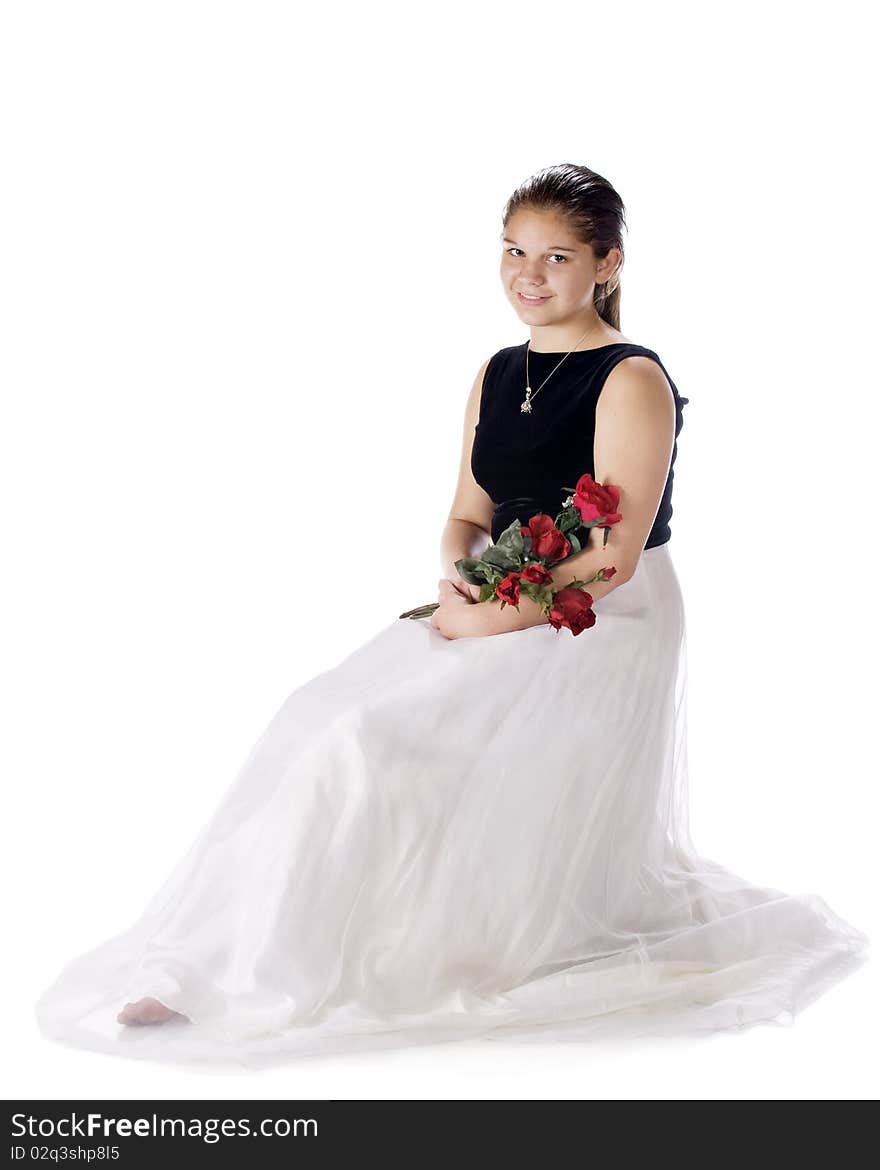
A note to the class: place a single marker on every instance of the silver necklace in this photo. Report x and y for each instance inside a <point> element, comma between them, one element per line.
<point>526,406</point>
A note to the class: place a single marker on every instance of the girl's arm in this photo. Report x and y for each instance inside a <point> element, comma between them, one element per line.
<point>487,617</point>
<point>467,529</point>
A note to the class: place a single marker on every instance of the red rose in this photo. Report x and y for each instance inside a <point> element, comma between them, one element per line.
<point>571,608</point>
<point>537,574</point>
<point>508,589</point>
<point>547,540</point>
<point>593,500</point>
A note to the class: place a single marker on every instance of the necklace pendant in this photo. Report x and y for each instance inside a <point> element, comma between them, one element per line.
<point>526,407</point>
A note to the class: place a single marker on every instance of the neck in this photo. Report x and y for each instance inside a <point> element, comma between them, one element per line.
<point>584,334</point>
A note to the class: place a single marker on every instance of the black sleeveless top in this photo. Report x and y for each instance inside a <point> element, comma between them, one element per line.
<point>524,461</point>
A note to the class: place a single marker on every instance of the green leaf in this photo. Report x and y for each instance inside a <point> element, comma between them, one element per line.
<point>508,548</point>
<point>569,518</point>
<point>472,570</point>
<point>502,558</point>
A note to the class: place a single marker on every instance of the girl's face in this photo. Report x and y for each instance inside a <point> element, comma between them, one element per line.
<point>543,259</point>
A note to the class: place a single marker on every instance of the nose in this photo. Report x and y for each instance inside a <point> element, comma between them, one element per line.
<point>531,277</point>
<point>528,276</point>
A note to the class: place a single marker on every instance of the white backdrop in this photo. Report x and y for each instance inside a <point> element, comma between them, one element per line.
<point>250,272</point>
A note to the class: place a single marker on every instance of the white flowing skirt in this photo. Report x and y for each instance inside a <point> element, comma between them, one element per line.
<point>440,840</point>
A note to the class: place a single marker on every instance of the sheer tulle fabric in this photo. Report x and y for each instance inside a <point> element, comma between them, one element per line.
<point>440,840</point>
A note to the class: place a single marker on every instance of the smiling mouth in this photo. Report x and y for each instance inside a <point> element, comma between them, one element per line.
<point>527,297</point>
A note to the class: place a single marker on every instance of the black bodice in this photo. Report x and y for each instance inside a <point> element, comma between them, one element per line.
<point>524,461</point>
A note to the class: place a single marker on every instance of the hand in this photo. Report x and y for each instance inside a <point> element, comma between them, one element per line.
<point>471,592</point>
<point>452,612</point>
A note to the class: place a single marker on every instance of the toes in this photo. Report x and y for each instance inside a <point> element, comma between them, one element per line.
<point>145,1011</point>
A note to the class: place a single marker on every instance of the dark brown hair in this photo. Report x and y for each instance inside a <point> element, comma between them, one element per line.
<point>593,210</point>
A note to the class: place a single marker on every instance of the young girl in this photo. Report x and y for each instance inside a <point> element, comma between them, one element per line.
<point>477,824</point>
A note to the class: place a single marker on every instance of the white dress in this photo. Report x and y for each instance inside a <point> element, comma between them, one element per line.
<point>437,840</point>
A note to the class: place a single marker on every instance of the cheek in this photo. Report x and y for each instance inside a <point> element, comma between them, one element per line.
<point>576,284</point>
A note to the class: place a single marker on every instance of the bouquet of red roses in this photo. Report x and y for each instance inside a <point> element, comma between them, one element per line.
<point>518,563</point>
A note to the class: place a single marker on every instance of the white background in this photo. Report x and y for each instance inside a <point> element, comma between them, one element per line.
<point>250,272</point>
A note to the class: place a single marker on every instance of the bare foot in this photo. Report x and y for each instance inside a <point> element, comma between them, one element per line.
<point>146,1011</point>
